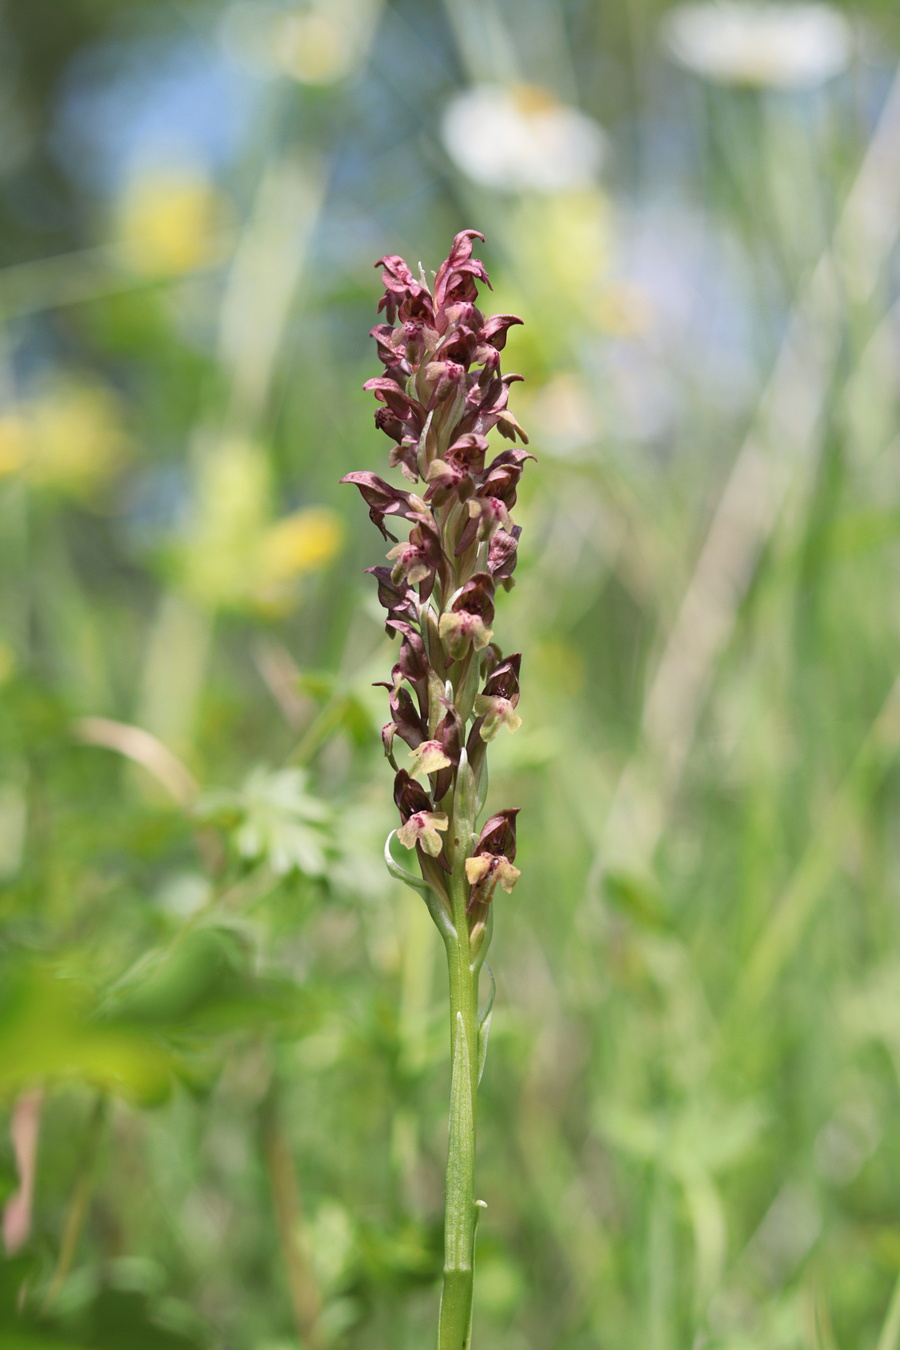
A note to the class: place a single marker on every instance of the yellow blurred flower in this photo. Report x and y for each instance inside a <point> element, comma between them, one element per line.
<point>77,439</point>
<point>13,444</point>
<point>72,439</point>
<point>311,47</point>
<point>170,221</point>
<point>298,544</point>
<point>231,514</point>
<point>315,42</point>
<point>236,557</point>
<point>571,233</point>
<point>563,244</point>
<point>301,542</point>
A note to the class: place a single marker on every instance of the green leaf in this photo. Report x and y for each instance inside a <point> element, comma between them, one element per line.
<point>436,907</point>
<point>9,1172</point>
<point>118,1318</point>
<point>485,1014</point>
<point>204,984</point>
<point>275,820</point>
<point>49,1032</point>
<point>36,1340</point>
<point>703,1136</point>
<point>113,1319</point>
<point>638,896</point>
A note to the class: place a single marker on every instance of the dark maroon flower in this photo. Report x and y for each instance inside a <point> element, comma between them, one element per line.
<point>383,500</point>
<point>455,473</point>
<point>412,663</point>
<point>440,395</point>
<point>399,601</point>
<point>417,561</point>
<point>421,831</point>
<point>486,516</point>
<point>446,378</point>
<point>401,348</point>
<point>403,295</point>
<point>390,343</point>
<point>388,422</point>
<point>495,329</point>
<point>492,860</point>
<point>419,822</point>
<point>455,279</point>
<point>405,457</point>
<point>458,344</point>
<point>409,796</point>
<point>503,680</point>
<point>486,407</point>
<point>498,834</point>
<point>449,733</point>
<point>503,475</point>
<point>406,722</point>
<point>462,317</point>
<point>502,555</point>
<point>495,706</point>
<point>469,617</point>
<point>469,451</point>
<point>404,407</point>
<point>447,479</point>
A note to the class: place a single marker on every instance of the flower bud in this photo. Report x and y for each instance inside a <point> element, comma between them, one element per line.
<point>498,834</point>
<point>502,556</point>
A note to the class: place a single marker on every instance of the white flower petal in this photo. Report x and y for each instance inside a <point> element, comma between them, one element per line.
<point>776,45</point>
<point>520,138</point>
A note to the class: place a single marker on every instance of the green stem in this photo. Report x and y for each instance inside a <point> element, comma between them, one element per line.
<point>80,1202</point>
<point>455,1323</point>
<point>303,1288</point>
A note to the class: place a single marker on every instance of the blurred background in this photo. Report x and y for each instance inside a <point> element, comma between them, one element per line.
<point>223,1051</point>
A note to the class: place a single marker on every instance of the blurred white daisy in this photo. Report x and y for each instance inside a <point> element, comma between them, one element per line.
<point>520,138</point>
<point>782,46</point>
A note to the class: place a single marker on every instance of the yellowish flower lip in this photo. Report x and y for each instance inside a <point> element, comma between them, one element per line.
<point>429,757</point>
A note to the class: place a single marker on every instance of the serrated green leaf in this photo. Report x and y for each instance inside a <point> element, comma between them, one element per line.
<point>274,819</point>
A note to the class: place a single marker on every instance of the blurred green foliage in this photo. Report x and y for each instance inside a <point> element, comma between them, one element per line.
<point>222,1042</point>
